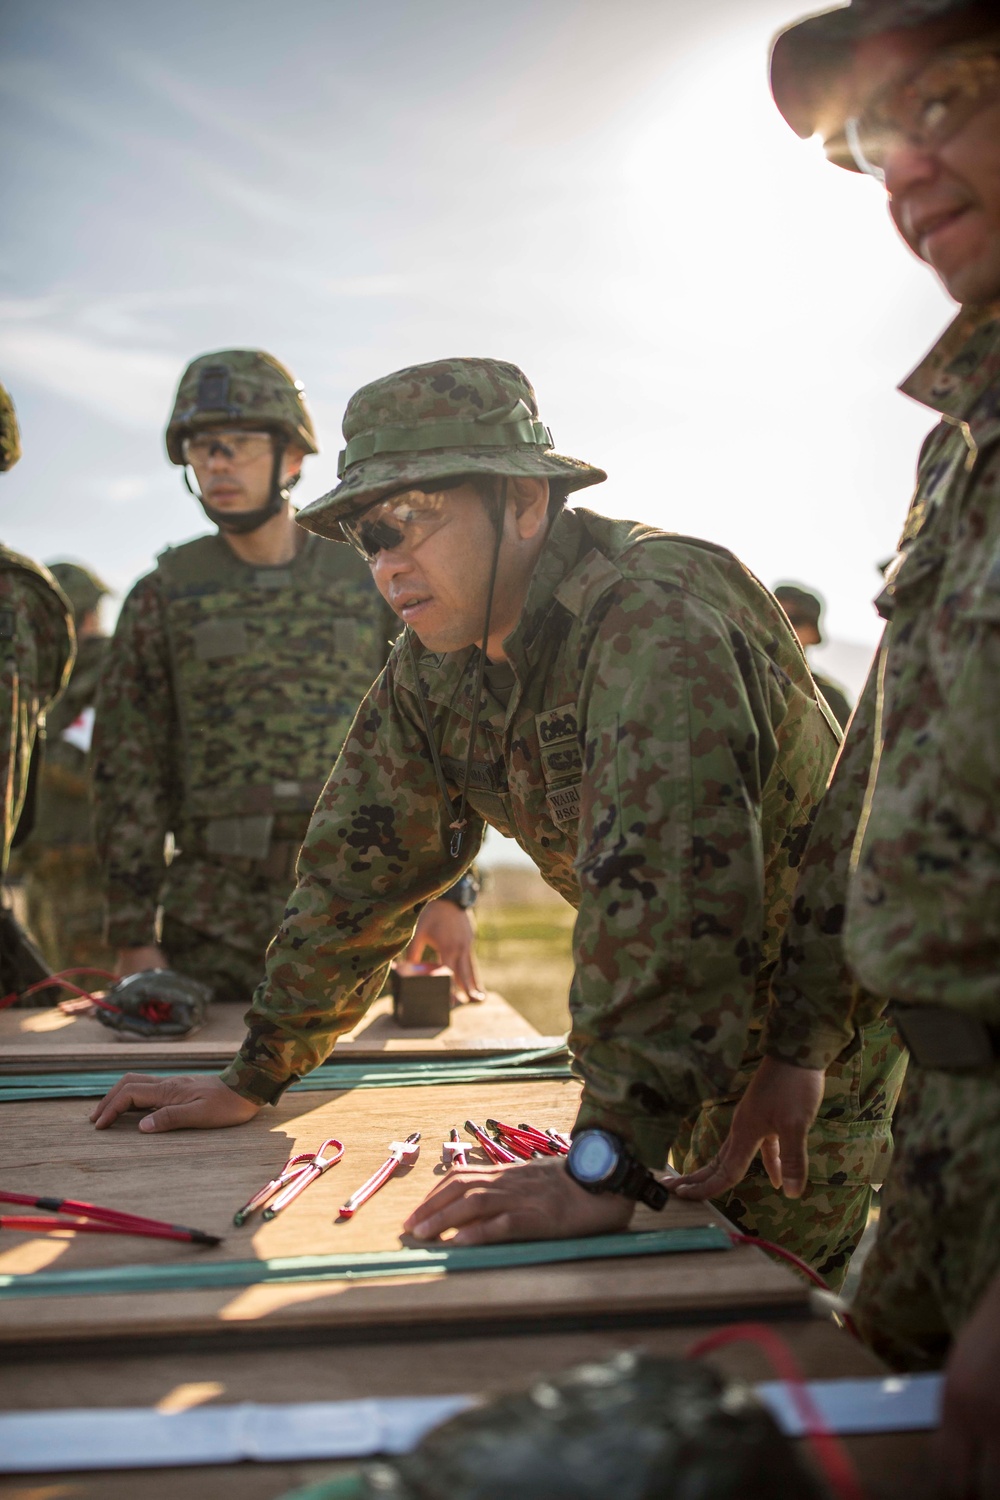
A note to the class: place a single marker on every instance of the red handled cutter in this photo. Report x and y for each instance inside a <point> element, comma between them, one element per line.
<point>399,1152</point>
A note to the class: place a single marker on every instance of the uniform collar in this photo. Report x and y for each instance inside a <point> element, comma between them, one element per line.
<point>961,367</point>
<point>565,545</point>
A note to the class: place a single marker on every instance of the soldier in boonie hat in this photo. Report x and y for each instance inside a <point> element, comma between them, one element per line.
<point>900,877</point>
<point>633,707</point>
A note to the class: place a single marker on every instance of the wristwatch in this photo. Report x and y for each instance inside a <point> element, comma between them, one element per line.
<point>601,1163</point>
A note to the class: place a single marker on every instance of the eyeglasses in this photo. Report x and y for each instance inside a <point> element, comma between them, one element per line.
<point>402,520</point>
<point>927,108</point>
<point>237,447</point>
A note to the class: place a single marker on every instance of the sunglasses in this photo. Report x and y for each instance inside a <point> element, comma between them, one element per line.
<point>404,519</point>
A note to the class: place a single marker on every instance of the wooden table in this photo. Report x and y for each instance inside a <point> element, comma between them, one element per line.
<point>478,1331</point>
<point>41,1041</point>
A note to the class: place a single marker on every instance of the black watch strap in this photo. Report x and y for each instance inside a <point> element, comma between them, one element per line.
<point>463,893</point>
<point>640,1184</point>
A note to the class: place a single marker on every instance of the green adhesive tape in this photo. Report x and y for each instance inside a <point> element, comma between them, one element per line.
<point>519,1067</point>
<point>437,1259</point>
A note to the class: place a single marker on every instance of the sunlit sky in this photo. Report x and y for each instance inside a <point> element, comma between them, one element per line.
<point>601,192</point>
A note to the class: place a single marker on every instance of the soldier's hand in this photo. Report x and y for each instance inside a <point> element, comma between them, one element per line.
<point>138,960</point>
<point>448,929</point>
<point>773,1117</point>
<point>969,1441</point>
<point>530,1201</point>
<point>176,1103</point>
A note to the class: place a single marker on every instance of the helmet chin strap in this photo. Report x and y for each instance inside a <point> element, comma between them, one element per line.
<point>242,522</point>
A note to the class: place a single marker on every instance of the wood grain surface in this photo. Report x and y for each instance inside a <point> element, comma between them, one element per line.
<point>201,1177</point>
<point>41,1041</point>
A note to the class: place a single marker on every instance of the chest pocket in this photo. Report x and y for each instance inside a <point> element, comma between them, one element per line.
<point>562,761</point>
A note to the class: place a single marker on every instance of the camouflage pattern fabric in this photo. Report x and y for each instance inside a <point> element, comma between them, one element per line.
<point>239,388</point>
<point>227,693</point>
<point>37,646</point>
<point>435,421</point>
<point>58,865</point>
<point>938,1243</point>
<point>850,1148</point>
<point>902,868</point>
<point>10,434</point>
<point>659,758</point>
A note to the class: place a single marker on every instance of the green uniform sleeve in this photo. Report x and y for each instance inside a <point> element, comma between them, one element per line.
<point>374,855</point>
<point>135,731</point>
<point>686,760</point>
<point>37,647</point>
<point>816,1005</point>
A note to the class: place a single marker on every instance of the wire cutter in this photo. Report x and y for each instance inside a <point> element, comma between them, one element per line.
<point>455,1151</point>
<point>399,1152</point>
<point>294,1177</point>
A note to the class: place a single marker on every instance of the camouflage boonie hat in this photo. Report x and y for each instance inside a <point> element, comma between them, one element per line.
<point>801,606</point>
<point>82,588</point>
<point>439,421</point>
<point>10,433</point>
<point>239,388</point>
<point>809,63</point>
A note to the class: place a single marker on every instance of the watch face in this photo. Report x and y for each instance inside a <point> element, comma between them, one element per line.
<point>593,1156</point>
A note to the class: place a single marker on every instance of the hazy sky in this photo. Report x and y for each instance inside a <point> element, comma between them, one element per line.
<point>598,190</point>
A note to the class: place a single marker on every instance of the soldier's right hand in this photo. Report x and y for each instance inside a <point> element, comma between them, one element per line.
<point>176,1103</point>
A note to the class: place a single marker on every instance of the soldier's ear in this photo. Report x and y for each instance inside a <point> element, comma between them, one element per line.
<point>529,498</point>
<point>291,463</point>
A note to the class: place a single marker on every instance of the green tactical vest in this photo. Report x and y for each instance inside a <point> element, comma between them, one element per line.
<point>269,667</point>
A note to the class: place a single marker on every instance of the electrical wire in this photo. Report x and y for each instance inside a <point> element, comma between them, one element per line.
<point>800,1265</point>
<point>828,1451</point>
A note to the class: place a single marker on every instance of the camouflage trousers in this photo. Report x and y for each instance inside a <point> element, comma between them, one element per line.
<point>938,1243</point>
<point>233,973</point>
<point>850,1146</point>
<point>64,907</point>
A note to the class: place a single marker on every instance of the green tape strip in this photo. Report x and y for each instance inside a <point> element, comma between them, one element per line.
<point>518,1067</point>
<point>205,1275</point>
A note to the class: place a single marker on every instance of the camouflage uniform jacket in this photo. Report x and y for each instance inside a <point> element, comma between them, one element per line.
<point>37,644</point>
<point>902,876</point>
<point>659,758</point>
<point>226,696</point>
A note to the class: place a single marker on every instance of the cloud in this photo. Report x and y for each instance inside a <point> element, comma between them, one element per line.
<point>129,387</point>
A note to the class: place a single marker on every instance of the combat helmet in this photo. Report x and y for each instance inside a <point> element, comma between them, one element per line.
<point>82,588</point>
<point>241,388</point>
<point>810,62</point>
<point>10,435</point>
<point>440,421</point>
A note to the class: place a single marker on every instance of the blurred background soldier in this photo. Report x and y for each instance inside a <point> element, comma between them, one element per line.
<point>58,866</point>
<point>36,652</point>
<point>804,610</point>
<point>231,682</point>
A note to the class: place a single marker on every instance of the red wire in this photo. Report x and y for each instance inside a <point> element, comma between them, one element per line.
<point>800,1265</point>
<point>62,980</point>
<point>827,1448</point>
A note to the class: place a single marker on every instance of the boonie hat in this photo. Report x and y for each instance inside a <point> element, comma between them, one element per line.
<point>440,421</point>
<point>801,606</point>
<point>809,63</point>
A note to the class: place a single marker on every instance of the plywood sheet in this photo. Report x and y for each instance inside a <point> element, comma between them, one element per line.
<point>200,1178</point>
<point>42,1041</point>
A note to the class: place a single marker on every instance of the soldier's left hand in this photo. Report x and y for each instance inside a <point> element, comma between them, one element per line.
<point>448,929</point>
<point>530,1201</point>
<point>969,1441</point>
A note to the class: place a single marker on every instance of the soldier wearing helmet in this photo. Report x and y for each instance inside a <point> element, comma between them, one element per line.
<point>37,646</point>
<point>901,880</point>
<point>57,863</point>
<point>230,684</point>
<point>634,709</point>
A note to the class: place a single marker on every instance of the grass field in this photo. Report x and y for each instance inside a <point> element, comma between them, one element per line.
<point>524,945</point>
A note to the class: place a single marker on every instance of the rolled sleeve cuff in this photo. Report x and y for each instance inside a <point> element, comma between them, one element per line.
<point>807,1044</point>
<point>253,1083</point>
